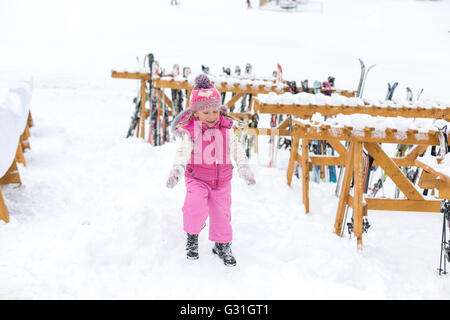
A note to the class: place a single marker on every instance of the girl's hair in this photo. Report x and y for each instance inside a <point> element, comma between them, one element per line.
<point>187,119</point>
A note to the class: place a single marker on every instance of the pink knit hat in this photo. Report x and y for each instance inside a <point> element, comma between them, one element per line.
<point>204,95</point>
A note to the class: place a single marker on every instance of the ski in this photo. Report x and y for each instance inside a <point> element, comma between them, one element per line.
<point>418,96</point>
<point>237,73</point>
<point>177,94</point>
<point>251,140</point>
<point>331,81</point>
<point>227,71</point>
<point>274,122</point>
<point>445,208</point>
<point>364,80</point>
<point>359,93</point>
<point>361,77</point>
<point>137,103</point>
<point>244,105</point>
<point>445,243</point>
<point>326,88</point>
<point>305,86</point>
<point>409,94</point>
<point>317,87</point>
<point>205,69</point>
<point>390,91</point>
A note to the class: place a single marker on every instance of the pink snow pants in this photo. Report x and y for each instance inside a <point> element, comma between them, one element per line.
<point>202,201</point>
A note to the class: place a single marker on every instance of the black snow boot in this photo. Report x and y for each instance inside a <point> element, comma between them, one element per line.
<point>223,250</point>
<point>192,246</point>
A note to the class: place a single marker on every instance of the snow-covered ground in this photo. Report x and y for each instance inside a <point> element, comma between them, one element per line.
<point>93,218</point>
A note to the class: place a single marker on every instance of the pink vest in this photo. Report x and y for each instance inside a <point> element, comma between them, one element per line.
<point>210,159</point>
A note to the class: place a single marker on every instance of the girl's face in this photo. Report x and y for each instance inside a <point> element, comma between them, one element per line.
<point>208,116</point>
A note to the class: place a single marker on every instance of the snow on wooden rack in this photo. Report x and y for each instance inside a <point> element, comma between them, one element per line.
<point>378,129</point>
<point>245,84</point>
<point>306,104</point>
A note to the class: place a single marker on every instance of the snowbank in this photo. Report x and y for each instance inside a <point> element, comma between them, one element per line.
<point>319,99</point>
<point>222,80</point>
<point>14,109</point>
<point>361,121</point>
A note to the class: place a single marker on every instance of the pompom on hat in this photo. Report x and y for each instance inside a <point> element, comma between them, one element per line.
<point>204,95</point>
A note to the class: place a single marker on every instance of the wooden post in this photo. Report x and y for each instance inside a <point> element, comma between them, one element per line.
<point>30,120</point>
<point>293,156</point>
<point>358,191</point>
<point>12,175</point>
<point>4,215</point>
<point>138,128</point>
<point>233,100</point>
<point>19,154</point>
<point>143,112</point>
<point>393,171</point>
<point>305,174</point>
<point>345,189</point>
<point>24,138</point>
<point>188,98</point>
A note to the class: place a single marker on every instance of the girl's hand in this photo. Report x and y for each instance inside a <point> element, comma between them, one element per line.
<point>174,176</point>
<point>246,174</point>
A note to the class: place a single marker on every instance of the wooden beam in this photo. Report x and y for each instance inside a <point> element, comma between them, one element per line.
<point>444,189</point>
<point>284,124</point>
<point>143,103</point>
<point>388,136</point>
<point>350,204</point>
<point>344,192</point>
<point>382,204</point>
<point>188,98</point>
<point>417,151</point>
<point>431,171</point>
<point>267,131</point>
<point>427,180</point>
<point>300,160</point>
<point>293,158</point>
<point>30,120</point>
<point>338,147</point>
<point>238,116</point>
<point>409,159</point>
<point>12,175</point>
<point>19,155</point>
<point>4,215</point>
<point>327,161</point>
<point>130,75</point>
<point>305,174</point>
<point>24,141</point>
<point>328,110</point>
<point>233,100</point>
<point>167,100</point>
<point>171,83</point>
<point>391,169</point>
<point>358,191</point>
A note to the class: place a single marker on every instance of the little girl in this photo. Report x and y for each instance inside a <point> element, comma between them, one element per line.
<point>204,156</point>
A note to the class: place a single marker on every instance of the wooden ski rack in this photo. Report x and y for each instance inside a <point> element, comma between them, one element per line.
<point>169,82</point>
<point>437,179</point>
<point>306,111</point>
<point>12,176</point>
<point>352,159</point>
